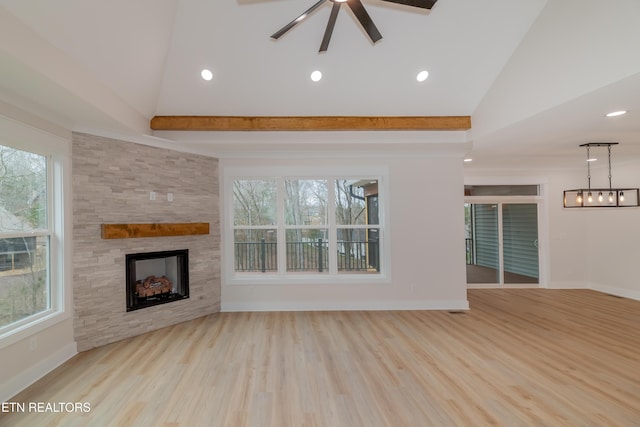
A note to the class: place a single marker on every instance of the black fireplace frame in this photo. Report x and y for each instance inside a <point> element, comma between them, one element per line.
<point>136,303</point>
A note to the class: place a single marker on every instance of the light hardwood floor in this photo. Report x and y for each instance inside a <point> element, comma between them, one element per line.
<point>519,357</point>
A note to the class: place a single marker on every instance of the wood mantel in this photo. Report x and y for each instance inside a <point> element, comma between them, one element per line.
<point>309,123</point>
<point>130,231</point>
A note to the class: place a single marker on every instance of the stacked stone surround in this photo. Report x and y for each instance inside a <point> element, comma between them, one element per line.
<point>111,184</point>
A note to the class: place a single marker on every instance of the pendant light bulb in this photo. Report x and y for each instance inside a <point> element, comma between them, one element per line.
<point>622,196</point>
<point>610,196</point>
<point>579,199</point>
<point>589,197</point>
<point>600,198</point>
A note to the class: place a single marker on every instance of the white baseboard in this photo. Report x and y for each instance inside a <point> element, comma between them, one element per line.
<point>612,290</point>
<point>620,292</point>
<point>568,285</point>
<point>345,305</point>
<point>503,286</point>
<point>24,379</point>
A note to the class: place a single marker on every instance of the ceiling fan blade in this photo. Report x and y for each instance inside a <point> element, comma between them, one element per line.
<point>332,22</point>
<point>293,23</point>
<point>365,20</point>
<point>424,4</point>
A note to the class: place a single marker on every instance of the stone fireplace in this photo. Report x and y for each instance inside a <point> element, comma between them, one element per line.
<point>154,278</point>
<point>112,182</point>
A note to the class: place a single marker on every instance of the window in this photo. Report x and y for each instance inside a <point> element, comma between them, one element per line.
<point>311,226</point>
<point>254,220</point>
<point>501,190</point>
<point>25,232</point>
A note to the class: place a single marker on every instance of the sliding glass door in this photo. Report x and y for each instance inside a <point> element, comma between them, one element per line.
<point>520,243</point>
<point>483,254</point>
<point>502,244</point>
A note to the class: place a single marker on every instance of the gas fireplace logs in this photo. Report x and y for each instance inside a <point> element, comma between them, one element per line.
<point>153,285</point>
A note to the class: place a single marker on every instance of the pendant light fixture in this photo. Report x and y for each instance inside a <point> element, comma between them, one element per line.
<point>615,197</point>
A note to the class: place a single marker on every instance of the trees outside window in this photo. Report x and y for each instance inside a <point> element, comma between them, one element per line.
<point>24,236</point>
<point>300,225</point>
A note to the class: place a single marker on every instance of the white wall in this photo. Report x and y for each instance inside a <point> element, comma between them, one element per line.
<point>21,365</point>
<point>27,355</point>
<point>614,241</point>
<point>427,243</point>
<point>567,241</point>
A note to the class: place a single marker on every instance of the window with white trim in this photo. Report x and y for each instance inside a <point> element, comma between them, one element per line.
<point>25,234</point>
<point>298,225</point>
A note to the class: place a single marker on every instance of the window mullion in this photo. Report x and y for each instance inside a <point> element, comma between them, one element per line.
<point>331,223</point>
<point>18,234</point>
<point>281,230</point>
<point>50,192</point>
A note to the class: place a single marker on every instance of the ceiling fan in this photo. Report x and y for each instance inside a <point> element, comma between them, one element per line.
<point>358,10</point>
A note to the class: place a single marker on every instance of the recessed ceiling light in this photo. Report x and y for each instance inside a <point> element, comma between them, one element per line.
<point>592,160</point>
<point>422,76</point>
<point>316,76</point>
<point>206,74</point>
<point>616,113</point>
<point>467,160</point>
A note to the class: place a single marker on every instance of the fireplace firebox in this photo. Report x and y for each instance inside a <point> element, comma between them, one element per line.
<point>156,278</point>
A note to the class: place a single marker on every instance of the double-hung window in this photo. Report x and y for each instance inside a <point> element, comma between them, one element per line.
<point>311,226</point>
<point>25,234</point>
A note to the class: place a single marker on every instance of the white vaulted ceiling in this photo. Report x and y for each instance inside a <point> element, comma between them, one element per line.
<point>537,76</point>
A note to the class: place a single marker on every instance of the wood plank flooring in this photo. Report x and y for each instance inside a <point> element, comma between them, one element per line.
<point>519,357</point>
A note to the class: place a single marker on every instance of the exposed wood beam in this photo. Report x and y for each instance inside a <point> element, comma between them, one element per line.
<point>130,231</point>
<point>309,123</point>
